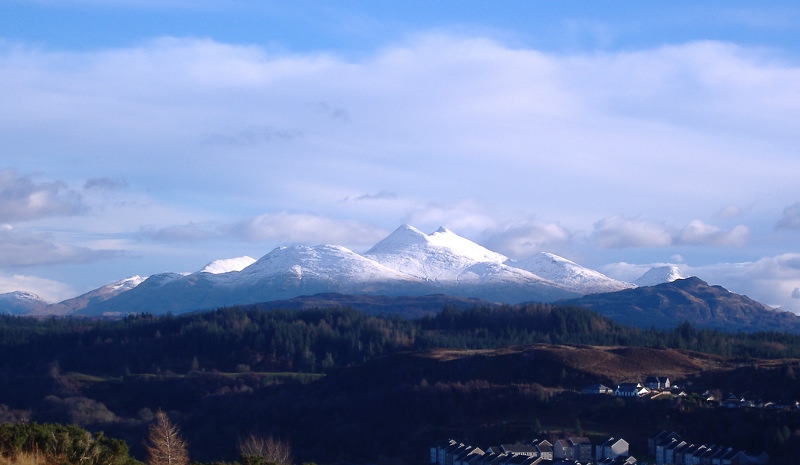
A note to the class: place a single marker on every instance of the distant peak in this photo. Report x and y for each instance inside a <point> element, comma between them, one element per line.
<point>659,275</point>
<point>444,230</point>
<point>228,265</point>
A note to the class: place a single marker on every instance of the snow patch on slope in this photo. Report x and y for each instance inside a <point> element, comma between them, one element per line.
<point>440,256</point>
<point>569,274</point>
<point>659,275</point>
<point>228,264</point>
<point>324,262</point>
<point>20,303</point>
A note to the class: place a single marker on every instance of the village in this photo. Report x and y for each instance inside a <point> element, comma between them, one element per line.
<point>664,448</point>
<point>657,387</point>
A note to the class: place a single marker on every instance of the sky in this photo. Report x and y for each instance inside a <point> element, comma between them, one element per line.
<point>145,136</point>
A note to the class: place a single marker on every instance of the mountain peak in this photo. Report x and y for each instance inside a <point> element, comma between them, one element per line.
<point>569,274</point>
<point>441,254</point>
<point>228,264</point>
<point>659,275</point>
<point>20,303</point>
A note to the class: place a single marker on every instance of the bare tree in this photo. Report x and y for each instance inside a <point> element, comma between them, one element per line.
<point>165,446</point>
<point>266,450</point>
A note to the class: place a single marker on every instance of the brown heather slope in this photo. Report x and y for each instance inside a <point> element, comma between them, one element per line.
<point>395,406</point>
<point>564,366</point>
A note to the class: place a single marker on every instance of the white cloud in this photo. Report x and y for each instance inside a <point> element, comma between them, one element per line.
<point>438,130</point>
<point>26,248</point>
<point>48,290</point>
<point>729,212</point>
<point>524,239</point>
<point>21,198</point>
<point>699,233</point>
<point>790,218</point>
<point>192,232</point>
<point>620,232</point>
<point>105,183</point>
<point>289,228</point>
<point>467,217</point>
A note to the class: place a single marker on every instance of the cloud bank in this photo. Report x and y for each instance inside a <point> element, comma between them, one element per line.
<point>194,141</point>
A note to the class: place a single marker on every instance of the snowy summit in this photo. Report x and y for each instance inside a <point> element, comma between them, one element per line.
<point>407,262</point>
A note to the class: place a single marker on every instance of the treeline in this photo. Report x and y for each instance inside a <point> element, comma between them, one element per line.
<point>316,341</point>
<point>61,444</point>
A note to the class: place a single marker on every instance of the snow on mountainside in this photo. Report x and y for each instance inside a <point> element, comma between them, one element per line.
<point>228,264</point>
<point>406,263</point>
<point>20,303</point>
<point>324,263</point>
<point>569,274</point>
<point>284,273</point>
<point>659,275</point>
<point>461,267</point>
<point>90,298</point>
<point>442,255</point>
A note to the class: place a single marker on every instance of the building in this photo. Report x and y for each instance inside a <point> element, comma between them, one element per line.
<point>612,448</point>
<point>631,390</point>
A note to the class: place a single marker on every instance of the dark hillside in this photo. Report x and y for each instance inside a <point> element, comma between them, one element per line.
<point>344,386</point>
<point>688,300</point>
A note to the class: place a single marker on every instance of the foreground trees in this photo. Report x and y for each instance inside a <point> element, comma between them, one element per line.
<point>60,444</point>
<point>259,450</point>
<point>165,446</point>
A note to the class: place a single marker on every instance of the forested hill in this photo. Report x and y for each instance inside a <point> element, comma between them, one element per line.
<point>317,340</point>
<point>312,375</point>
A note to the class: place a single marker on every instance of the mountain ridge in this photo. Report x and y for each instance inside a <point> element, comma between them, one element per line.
<point>692,300</point>
<point>407,262</point>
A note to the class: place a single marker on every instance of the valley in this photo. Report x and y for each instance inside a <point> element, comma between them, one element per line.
<point>344,386</point>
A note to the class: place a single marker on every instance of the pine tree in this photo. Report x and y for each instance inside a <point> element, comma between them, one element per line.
<point>165,446</point>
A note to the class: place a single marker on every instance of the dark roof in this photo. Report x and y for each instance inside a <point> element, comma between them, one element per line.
<point>517,448</point>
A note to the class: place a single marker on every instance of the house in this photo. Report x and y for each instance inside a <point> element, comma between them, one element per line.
<point>631,390</point>
<point>612,448</point>
<point>518,460</point>
<point>473,459</point>
<point>661,437</point>
<point>545,449</point>
<point>656,383</point>
<point>519,449</point>
<point>467,455</point>
<point>489,458</point>
<point>563,450</point>
<point>692,455</point>
<point>454,451</point>
<point>597,389</point>
<point>621,460</point>
<point>733,401</point>
<point>582,448</point>
<point>668,451</point>
<point>678,453</point>
<point>438,451</point>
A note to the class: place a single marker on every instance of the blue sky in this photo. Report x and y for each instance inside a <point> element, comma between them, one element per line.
<point>146,136</point>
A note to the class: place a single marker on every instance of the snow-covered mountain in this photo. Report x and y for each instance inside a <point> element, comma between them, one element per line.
<point>659,275</point>
<point>569,274</point>
<point>20,303</point>
<point>91,298</point>
<point>226,265</point>
<point>461,267</point>
<point>406,263</point>
<point>284,273</point>
<point>441,256</point>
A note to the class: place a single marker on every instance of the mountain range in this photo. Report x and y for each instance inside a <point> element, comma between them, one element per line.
<point>407,263</point>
